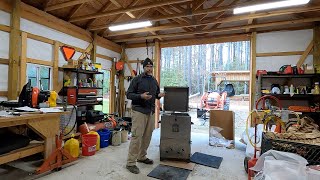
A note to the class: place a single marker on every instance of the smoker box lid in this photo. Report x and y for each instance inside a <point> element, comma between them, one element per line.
<point>176,99</point>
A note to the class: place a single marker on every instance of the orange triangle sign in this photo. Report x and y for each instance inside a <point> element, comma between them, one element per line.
<point>68,52</point>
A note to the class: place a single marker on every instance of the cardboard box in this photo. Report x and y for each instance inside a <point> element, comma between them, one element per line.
<point>224,120</point>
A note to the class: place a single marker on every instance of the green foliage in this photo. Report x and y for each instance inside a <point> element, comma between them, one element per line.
<point>172,77</point>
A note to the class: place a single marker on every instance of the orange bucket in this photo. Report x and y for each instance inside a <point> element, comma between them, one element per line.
<point>89,144</point>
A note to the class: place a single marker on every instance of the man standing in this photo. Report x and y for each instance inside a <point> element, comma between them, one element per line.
<point>143,91</point>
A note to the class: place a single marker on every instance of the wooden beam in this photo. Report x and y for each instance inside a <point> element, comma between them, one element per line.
<point>316,48</point>
<point>206,40</point>
<point>55,72</point>
<point>65,4</point>
<point>4,28</point>
<point>5,6</point>
<point>199,4</point>
<point>157,76</point>
<point>237,18</point>
<point>40,62</point>
<point>23,60</point>
<point>253,70</point>
<point>131,69</point>
<point>104,8</point>
<point>3,93</point>
<point>4,61</point>
<point>112,88</point>
<point>164,12</point>
<point>305,54</point>
<point>108,44</point>
<point>292,53</point>
<point>21,153</point>
<point>14,50</point>
<point>250,21</point>
<point>136,45</point>
<point>94,48</point>
<point>75,10</point>
<point>225,29</point>
<point>40,38</point>
<point>124,10</point>
<point>86,51</point>
<point>214,21</point>
<point>115,2</point>
<point>104,57</point>
<point>37,16</point>
<point>135,61</point>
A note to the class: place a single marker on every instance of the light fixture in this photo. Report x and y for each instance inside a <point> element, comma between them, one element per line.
<point>134,25</point>
<point>272,5</point>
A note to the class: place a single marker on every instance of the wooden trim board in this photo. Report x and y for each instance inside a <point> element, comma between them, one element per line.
<point>41,62</point>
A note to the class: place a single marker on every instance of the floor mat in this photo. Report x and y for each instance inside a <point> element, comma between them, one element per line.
<point>169,173</point>
<point>206,160</point>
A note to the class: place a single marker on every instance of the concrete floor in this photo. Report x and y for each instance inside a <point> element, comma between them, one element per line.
<point>109,163</point>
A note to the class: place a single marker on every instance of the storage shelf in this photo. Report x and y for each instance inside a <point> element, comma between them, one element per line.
<point>22,152</point>
<point>290,76</point>
<point>89,104</point>
<point>82,71</point>
<point>295,96</point>
<point>83,87</point>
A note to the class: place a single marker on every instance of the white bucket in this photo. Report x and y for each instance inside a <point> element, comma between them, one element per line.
<point>116,138</point>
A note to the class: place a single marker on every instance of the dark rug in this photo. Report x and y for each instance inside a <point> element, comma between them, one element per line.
<point>206,160</point>
<point>169,173</point>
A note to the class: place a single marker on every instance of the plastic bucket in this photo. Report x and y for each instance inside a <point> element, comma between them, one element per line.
<point>89,144</point>
<point>105,136</point>
<point>124,136</point>
<point>116,138</point>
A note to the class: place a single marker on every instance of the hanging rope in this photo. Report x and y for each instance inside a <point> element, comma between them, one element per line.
<point>152,58</point>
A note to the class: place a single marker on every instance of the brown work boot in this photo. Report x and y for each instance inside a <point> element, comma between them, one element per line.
<point>134,169</point>
<point>146,161</point>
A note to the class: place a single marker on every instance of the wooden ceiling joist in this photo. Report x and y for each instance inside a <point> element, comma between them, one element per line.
<point>225,29</point>
<point>124,10</point>
<point>227,19</point>
<point>65,4</point>
<point>103,9</point>
<point>75,10</point>
<point>115,2</point>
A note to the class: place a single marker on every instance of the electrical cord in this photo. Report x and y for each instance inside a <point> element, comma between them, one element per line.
<point>75,122</point>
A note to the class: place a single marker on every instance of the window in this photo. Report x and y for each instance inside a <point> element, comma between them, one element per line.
<point>106,91</point>
<point>39,76</point>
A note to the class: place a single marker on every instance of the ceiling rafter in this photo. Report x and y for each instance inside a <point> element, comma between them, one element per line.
<point>232,18</point>
<point>250,21</point>
<point>198,4</point>
<point>187,29</point>
<point>102,9</point>
<point>215,5</point>
<point>124,10</point>
<point>226,29</point>
<point>65,4</point>
<point>115,2</point>
<point>75,10</point>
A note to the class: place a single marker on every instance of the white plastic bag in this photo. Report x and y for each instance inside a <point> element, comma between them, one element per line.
<point>216,139</point>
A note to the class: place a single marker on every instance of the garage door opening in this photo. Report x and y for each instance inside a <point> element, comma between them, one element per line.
<point>206,69</point>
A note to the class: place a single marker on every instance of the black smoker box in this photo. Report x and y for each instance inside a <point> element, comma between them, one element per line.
<point>175,140</point>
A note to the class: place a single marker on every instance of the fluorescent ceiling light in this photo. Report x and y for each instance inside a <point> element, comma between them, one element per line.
<point>272,5</point>
<point>130,26</point>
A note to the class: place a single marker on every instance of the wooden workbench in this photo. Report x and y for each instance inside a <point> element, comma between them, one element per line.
<point>45,125</point>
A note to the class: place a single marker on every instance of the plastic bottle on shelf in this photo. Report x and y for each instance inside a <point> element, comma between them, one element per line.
<point>316,88</point>
<point>291,89</point>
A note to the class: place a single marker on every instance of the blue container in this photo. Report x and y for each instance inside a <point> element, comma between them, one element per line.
<point>105,136</point>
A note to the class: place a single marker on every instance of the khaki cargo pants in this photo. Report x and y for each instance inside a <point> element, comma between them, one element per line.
<point>142,127</point>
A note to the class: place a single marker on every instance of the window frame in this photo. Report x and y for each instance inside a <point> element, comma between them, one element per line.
<point>38,77</point>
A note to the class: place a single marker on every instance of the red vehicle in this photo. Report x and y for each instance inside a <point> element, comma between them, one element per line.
<point>216,100</point>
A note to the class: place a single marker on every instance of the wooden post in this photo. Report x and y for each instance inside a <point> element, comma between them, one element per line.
<point>316,46</point>
<point>112,88</point>
<point>55,72</point>
<point>14,50</point>
<point>94,49</point>
<point>253,70</point>
<point>23,60</point>
<point>157,64</point>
